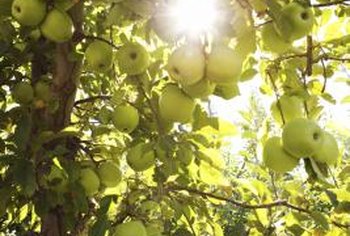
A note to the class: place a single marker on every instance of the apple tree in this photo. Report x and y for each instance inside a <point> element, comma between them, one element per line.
<point>107,128</point>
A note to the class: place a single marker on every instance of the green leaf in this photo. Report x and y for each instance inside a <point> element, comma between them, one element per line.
<point>320,219</point>
<point>22,132</point>
<point>345,100</point>
<point>100,227</point>
<point>202,119</point>
<point>104,205</point>
<point>24,175</point>
<point>248,74</point>
<point>274,8</point>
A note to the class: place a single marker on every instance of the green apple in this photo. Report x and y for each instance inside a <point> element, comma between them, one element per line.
<point>57,26</point>
<point>272,41</point>
<point>133,59</point>
<point>186,65</point>
<point>131,228</point>
<point>29,12</point>
<point>141,157</point>
<point>99,56</point>
<point>224,65</point>
<point>23,93</point>
<point>42,91</point>
<point>90,181</point>
<point>227,91</point>
<point>292,107</point>
<point>175,105</point>
<point>35,34</point>
<point>201,89</point>
<point>153,230</point>
<point>276,158</point>
<point>302,137</point>
<point>57,179</point>
<point>329,151</point>
<point>295,21</point>
<point>109,173</point>
<point>125,118</point>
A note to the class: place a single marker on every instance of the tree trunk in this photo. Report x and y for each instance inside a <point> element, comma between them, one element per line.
<point>64,84</point>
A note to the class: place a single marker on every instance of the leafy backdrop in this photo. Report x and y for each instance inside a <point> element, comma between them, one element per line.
<point>217,193</point>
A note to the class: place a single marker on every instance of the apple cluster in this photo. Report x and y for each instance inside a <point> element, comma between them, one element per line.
<point>54,24</point>
<point>132,59</point>
<point>293,21</point>
<point>301,138</point>
<point>107,174</point>
<point>38,96</point>
<point>198,72</point>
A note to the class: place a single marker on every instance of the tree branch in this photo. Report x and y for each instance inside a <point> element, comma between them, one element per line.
<point>328,4</point>
<point>237,203</point>
<point>91,99</point>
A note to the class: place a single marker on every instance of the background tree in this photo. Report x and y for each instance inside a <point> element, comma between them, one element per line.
<point>106,129</point>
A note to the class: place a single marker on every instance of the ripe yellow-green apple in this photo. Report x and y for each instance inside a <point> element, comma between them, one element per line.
<point>99,56</point>
<point>201,89</point>
<point>329,151</point>
<point>56,179</point>
<point>90,181</point>
<point>57,26</point>
<point>23,93</point>
<point>272,41</point>
<point>276,158</point>
<point>42,91</point>
<point>133,58</point>
<point>175,105</point>
<point>141,157</point>
<point>295,21</point>
<point>302,137</point>
<point>29,12</point>
<point>131,228</point>
<point>292,107</point>
<point>224,65</point>
<point>109,173</point>
<point>186,65</point>
<point>125,118</point>
<point>227,91</point>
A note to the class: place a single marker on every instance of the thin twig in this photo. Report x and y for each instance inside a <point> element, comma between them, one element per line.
<point>237,203</point>
<point>309,56</point>
<point>278,102</point>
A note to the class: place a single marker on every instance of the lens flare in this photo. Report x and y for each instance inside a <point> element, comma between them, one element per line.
<point>194,16</point>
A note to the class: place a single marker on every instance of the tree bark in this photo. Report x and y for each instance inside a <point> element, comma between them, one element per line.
<point>65,74</point>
